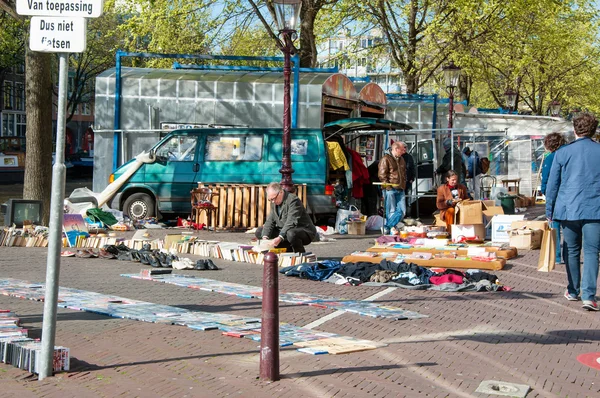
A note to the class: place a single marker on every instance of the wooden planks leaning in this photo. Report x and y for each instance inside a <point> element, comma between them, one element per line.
<point>242,205</point>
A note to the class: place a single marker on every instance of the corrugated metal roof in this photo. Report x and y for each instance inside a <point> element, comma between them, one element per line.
<point>267,77</point>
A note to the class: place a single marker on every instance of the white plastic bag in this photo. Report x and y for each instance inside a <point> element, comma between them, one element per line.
<point>374,223</point>
<point>341,220</point>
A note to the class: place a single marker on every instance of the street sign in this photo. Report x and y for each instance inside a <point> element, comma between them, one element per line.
<point>57,35</point>
<point>61,8</point>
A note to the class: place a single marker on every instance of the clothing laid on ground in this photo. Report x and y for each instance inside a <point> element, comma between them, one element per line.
<point>405,275</point>
<point>291,222</point>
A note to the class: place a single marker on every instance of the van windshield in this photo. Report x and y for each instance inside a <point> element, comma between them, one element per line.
<point>178,149</point>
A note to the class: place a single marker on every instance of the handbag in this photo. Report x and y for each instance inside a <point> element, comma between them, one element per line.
<point>341,219</point>
<point>547,251</point>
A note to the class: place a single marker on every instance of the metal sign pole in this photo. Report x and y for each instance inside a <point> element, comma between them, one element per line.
<point>56,224</point>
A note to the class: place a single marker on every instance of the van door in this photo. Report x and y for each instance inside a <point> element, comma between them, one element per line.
<point>173,175</point>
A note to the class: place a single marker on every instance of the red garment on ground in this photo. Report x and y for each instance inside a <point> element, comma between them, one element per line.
<point>448,278</point>
<point>360,174</point>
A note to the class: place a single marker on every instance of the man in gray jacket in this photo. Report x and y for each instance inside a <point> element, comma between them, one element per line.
<point>288,224</point>
<point>573,198</point>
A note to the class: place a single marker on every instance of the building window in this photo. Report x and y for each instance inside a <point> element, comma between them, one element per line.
<point>86,109</point>
<point>19,96</point>
<point>8,94</point>
<point>20,68</point>
<point>21,125</point>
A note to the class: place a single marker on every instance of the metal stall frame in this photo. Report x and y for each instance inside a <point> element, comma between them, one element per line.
<point>414,133</point>
<point>119,54</point>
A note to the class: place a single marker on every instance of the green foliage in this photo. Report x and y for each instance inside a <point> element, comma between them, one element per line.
<point>12,41</point>
<point>165,26</point>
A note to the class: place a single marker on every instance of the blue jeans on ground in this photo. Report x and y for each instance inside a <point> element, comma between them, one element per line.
<point>575,233</point>
<point>395,207</point>
<point>559,257</point>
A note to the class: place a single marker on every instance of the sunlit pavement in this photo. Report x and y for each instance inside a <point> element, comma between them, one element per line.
<point>530,335</point>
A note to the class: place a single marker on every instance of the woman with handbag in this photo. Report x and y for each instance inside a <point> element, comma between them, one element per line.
<point>552,142</point>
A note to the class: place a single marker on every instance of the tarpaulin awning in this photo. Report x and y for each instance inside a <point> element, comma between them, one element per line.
<point>365,123</point>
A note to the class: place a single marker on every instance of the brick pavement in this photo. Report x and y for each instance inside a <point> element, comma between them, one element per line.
<point>530,335</point>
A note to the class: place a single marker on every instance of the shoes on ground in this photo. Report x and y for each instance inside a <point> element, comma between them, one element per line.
<point>570,297</point>
<point>210,265</point>
<point>183,263</point>
<point>103,253</point>
<point>85,253</point>
<point>590,305</point>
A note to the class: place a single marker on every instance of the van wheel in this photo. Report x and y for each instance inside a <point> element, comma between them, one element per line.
<point>139,206</point>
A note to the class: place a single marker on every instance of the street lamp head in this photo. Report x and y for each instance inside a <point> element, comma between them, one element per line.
<point>555,108</point>
<point>451,74</point>
<point>287,13</point>
<point>511,98</point>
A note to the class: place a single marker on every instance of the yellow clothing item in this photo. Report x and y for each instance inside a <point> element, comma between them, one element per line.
<point>337,158</point>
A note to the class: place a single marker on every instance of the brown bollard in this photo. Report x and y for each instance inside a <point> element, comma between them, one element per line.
<point>269,332</point>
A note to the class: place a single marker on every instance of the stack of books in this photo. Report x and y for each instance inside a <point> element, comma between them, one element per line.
<point>17,237</point>
<point>232,251</point>
<point>22,352</point>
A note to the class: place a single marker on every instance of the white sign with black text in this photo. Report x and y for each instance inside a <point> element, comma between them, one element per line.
<point>57,35</point>
<point>61,8</point>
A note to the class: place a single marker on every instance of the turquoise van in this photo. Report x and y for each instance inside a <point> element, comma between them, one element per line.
<point>241,156</point>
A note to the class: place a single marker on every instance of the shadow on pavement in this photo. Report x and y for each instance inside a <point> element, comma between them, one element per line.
<point>323,372</point>
<point>82,366</point>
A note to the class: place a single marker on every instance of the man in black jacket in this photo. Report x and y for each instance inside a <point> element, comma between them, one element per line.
<point>447,161</point>
<point>288,224</point>
<point>411,174</point>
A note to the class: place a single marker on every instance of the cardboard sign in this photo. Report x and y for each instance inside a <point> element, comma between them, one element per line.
<point>501,226</point>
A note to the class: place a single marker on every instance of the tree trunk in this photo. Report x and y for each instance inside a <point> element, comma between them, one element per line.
<point>308,44</point>
<point>412,83</point>
<point>38,159</point>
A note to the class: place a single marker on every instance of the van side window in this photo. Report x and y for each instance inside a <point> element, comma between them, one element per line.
<point>302,148</point>
<point>233,148</point>
<point>178,149</point>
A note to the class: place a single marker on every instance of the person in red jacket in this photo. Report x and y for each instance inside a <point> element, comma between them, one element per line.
<point>448,195</point>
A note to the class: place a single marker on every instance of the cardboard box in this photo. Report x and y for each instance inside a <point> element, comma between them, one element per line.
<point>469,212</point>
<point>489,203</point>
<point>468,231</point>
<point>490,211</point>
<point>525,238</point>
<point>357,227</point>
<point>543,225</point>
<point>501,225</point>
